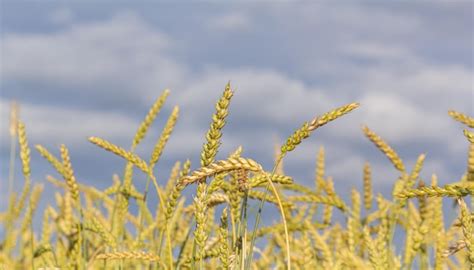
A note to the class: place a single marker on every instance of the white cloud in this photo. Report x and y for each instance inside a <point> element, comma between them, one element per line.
<point>398,119</point>
<point>119,54</point>
<point>52,125</point>
<point>435,87</point>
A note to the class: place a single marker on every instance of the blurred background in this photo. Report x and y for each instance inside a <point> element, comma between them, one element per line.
<point>83,69</point>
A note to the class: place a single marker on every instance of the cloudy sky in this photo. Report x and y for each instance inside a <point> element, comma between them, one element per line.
<point>82,69</point>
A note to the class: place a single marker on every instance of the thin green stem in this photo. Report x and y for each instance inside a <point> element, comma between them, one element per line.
<point>142,216</point>
<point>259,215</point>
<point>243,229</point>
<point>181,250</point>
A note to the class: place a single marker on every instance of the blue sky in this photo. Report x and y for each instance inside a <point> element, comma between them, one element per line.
<point>82,69</point>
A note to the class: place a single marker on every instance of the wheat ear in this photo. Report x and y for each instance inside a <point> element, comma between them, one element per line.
<point>435,191</point>
<point>367,186</point>
<point>68,174</point>
<point>34,198</point>
<point>470,163</point>
<point>214,134</point>
<point>260,180</point>
<point>165,135</point>
<point>208,154</point>
<point>129,156</point>
<point>149,118</point>
<point>224,241</point>
<point>467,231</point>
<point>469,135</point>
<point>385,148</point>
<point>332,115</point>
<point>461,117</point>
<point>172,199</point>
<point>103,232</point>
<point>25,161</point>
<point>24,150</point>
<point>50,158</point>
<point>128,255</point>
<point>319,179</point>
<point>308,127</point>
<point>230,164</point>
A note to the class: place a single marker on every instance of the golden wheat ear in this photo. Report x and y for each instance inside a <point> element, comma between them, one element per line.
<point>305,130</point>
<point>469,135</point>
<point>149,118</point>
<point>119,151</point>
<point>385,148</point>
<point>462,118</point>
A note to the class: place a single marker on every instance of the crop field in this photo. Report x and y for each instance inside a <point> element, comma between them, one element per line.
<point>83,227</point>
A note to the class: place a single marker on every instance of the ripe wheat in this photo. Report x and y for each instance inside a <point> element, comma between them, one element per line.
<point>83,227</point>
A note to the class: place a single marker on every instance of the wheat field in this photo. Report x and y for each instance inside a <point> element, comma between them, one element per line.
<point>83,227</point>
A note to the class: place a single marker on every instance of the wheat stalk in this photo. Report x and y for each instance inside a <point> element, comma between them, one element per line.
<point>461,117</point>
<point>308,127</point>
<point>230,164</point>
<point>129,156</point>
<point>435,191</point>
<point>114,235</point>
<point>50,158</point>
<point>367,186</point>
<point>469,135</point>
<point>160,144</point>
<point>467,231</point>
<point>149,118</point>
<point>128,255</point>
<point>214,134</point>
<point>68,174</point>
<point>385,148</point>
